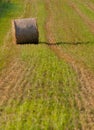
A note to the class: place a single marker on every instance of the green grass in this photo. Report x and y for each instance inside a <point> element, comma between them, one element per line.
<point>71,30</point>
<point>85,9</point>
<point>8,12</point>
<point>46,97</point>
<point>48,102</point>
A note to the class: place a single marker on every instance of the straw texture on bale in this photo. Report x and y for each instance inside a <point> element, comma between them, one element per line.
<point>25,31</point>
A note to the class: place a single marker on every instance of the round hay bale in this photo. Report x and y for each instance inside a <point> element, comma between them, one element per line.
<point>25,31</point>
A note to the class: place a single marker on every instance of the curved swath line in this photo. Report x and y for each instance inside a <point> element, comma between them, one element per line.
<point>12,86</point>
<point>21,85</point>
<point>7,84</point>
<point>6,92</point>
<point>6,70</point>
<point>30,72</point>
<point>8,74</point>
<point>15,77</point>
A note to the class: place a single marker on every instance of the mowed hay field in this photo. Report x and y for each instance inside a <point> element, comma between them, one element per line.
<point>49,86</point>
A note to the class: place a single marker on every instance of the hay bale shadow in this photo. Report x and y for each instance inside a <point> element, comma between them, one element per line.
<point>69,43</point>
<point>58,43</point>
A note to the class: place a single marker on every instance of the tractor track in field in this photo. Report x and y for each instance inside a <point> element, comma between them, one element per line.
<point>91,6</point>
<point>86,20</point>
<point>14,82</point>
<point>84,97</point>
<point>88,4</point>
